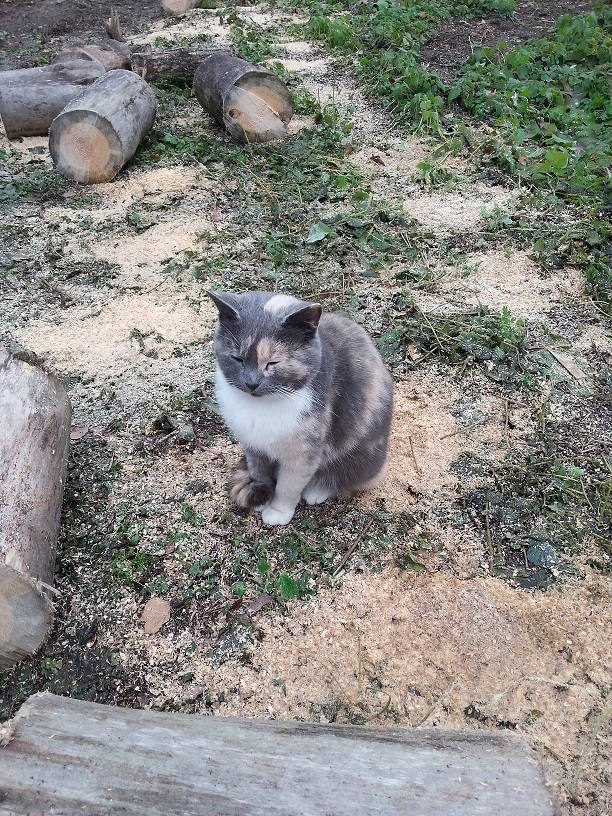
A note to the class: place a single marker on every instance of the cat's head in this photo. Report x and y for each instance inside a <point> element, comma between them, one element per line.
<point>267,343</point>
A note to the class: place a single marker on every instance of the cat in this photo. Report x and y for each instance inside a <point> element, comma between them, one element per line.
<point>308,396</point>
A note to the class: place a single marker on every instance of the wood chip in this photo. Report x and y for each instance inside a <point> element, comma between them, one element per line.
<point>78,432</point>
<point>155,614</point>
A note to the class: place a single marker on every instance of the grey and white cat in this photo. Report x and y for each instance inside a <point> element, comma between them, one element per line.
<point>306,394</point>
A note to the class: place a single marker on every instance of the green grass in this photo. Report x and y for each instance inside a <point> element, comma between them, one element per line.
<point>385,39</point>
<point>550,102</point>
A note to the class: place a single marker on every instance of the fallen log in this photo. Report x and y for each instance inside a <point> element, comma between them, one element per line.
<point>250,101</point>
<point>31,98</point>
<point>176,63</point>
<point>111,53</point>
<point>34,438</point>
<point>99,131</point>
<point>74,757</point>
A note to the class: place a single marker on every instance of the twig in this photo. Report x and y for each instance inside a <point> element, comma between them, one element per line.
<point>488,532</point>
<point>352,548</point>
<point>416,464</point>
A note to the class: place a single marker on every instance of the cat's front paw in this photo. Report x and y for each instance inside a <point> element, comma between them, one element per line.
<point>272,517</point>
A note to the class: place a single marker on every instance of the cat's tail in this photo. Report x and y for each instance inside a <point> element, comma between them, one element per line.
<point>375,481</point>
<point>245,492</point>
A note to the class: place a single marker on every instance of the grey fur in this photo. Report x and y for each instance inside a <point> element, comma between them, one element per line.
<point>339,444</point>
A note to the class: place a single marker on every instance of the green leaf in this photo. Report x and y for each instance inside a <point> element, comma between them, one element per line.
<point>318,232</point>
<point>239,588</point>
<point>263,568</point>
<point>288,586</point>
<point>453,94</point>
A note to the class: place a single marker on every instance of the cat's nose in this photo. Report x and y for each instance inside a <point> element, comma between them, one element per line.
<point>252,386</point>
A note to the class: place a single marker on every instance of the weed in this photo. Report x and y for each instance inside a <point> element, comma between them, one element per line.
<point>495,341</point>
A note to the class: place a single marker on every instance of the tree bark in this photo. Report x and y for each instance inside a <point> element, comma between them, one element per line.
<point>177,63</point>
<point>31,98</point>
<point>110,53</point>
<point>34,439</point>
<point>250,101</point>
<point>99,131</point>
<point>73,757</point>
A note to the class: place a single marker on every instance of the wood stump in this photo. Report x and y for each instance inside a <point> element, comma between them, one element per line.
<point>73,757</point>
<point>99,131</point>
<point>31,98</point>
<point>250,101</point>
<point>34,439</point>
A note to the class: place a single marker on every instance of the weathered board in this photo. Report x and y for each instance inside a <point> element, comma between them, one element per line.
<point>71,757</point>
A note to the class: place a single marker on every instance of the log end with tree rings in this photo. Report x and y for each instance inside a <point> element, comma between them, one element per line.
<point>87,149</point>
<point>100,130</point>
<point>252,103</point>
<point>34,441</point>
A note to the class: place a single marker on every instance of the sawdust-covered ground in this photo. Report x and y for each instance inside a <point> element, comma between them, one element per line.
<point>414,630</point>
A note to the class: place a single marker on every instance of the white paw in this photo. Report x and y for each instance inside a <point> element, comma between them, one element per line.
<point>316,494</point>
<point>271,516</point>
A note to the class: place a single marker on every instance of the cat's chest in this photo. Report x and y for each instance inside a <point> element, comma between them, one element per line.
<point>261,422</point>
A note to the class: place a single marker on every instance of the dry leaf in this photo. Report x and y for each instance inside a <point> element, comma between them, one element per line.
<point>155,614</point>
<point>78,432</point>
<point>378,159</point>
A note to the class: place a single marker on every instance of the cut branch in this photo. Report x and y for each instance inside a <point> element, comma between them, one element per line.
<point>177,63</point>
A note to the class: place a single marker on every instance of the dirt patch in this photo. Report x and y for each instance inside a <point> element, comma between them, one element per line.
<point>458,39</point>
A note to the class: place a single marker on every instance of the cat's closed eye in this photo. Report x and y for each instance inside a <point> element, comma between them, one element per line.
<point>237,359</point>
<point>272,363</point>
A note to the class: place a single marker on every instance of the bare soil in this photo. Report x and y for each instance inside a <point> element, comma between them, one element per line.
<point>414,630</point>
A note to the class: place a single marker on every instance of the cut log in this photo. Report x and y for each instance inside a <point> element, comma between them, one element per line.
<point>250,101</point>
<point>177,63</point>
<point>73,757</point>
<point>99,131</point>
<point>31,98</point>
<point>34,438</point>
<point>176,8</point>
<point>110,53</point>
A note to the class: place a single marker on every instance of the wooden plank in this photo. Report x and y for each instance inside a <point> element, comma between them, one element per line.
<point>71,757</point>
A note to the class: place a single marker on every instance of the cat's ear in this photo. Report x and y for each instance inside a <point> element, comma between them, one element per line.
<point>305,318</point>
<point>223,302</point>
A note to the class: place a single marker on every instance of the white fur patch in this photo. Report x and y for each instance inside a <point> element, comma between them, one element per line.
<point>260,422</point>
<point>278,303</point>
